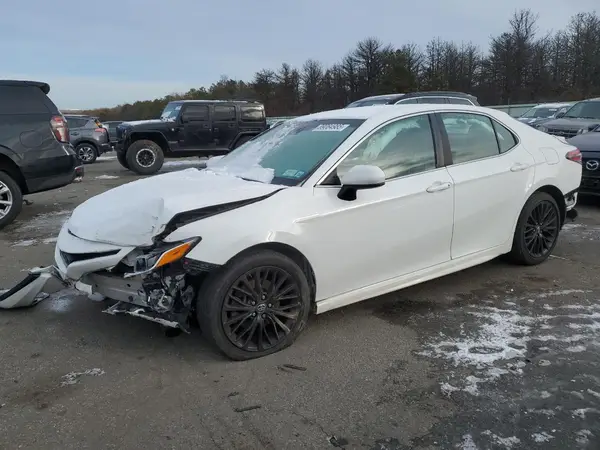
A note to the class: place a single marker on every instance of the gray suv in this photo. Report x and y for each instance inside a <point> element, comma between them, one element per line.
<point>580,118</point>
<point>88,136</point>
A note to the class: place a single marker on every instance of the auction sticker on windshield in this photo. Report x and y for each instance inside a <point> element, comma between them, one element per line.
<point>331,127</point>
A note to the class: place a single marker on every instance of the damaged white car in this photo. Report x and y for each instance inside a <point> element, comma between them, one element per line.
<point>317,213</point>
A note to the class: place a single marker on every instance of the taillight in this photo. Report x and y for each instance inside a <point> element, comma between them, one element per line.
<point>574,155</point>
<point>60,129</point>
<point>100,130</point>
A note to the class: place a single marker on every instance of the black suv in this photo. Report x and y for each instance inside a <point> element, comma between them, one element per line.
<point>457,98</point>
<point>188,128</point>
<point>88,136</point>
<point>35,153</point>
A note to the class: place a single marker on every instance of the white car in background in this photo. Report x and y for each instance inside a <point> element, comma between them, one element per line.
<point>544,112</point>
<point>320,212</point>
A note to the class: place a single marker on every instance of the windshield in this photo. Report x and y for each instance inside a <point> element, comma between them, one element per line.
<point>584,110</point>
<point>369,102</point>
<point>170,112</point>
<point>540,112</point>
<point>288,153</point>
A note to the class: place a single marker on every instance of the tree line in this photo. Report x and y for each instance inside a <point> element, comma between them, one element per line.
<point>521,65</point>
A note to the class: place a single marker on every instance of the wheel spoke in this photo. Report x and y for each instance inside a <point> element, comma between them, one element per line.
<point>238,318</point>
<point>281,325</point>
<point>287,315</point>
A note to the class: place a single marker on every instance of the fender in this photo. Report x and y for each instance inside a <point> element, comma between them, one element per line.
<point>10,154</point>
<point>243,134</point>
<point>156,136</point>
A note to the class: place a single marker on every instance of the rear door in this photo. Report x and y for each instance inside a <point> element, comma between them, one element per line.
<point>225,125</point>
<point>491,173</point>
<point>196,130</point>
<point>252,118</point>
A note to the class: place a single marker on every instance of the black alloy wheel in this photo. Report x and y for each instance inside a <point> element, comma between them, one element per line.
<point>541,229</point>
<point>261,308</point>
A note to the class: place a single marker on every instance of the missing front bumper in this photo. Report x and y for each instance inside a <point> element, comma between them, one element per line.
<point>169,320</point>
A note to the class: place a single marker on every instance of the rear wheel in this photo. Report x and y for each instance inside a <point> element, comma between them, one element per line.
<point>145,157</point>
<point>537,230</point>
<point>256,305</point>
<point>86,153</point>
<point>11,199</point>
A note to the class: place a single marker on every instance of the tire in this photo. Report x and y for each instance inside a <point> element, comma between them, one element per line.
<point>9,192</point>
<point>212,301</point>
<point>86,153</point>
<point>242,141</point>
<point>138,152</point>
<point>534,211</point>
<point>121,157</point>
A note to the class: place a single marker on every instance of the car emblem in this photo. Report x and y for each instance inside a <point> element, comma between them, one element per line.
<point>592,164</point>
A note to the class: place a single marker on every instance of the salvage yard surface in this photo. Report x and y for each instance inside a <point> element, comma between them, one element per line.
<point>494,357</point>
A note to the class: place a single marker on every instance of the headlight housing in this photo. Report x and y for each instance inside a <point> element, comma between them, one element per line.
<point>542,128</point>
<point>582,130</point>
<point>162,255</point>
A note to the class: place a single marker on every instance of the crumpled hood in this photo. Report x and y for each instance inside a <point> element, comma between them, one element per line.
<point>132,214</point>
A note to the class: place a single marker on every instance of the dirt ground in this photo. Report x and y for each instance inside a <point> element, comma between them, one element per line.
<point>494,357</point>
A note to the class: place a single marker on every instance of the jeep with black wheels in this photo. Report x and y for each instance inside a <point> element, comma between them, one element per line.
<point>188,128</point>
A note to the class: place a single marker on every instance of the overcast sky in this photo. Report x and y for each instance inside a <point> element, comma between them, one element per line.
<point>114,51</point>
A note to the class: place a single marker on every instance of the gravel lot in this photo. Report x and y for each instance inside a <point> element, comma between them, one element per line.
<point>494,357</point>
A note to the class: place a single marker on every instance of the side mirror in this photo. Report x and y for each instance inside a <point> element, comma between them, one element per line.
<point>360,177</point>
<point>560,114</point>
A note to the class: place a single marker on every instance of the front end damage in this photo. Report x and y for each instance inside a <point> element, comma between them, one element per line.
<point>156,283</point>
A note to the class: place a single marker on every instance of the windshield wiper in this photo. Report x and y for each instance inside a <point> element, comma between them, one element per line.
<point>250,179</point>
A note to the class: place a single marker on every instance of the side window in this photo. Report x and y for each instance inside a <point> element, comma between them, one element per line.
<point>253,113</point>
<point>471,136</point>
<point>195,113</point>
<point>506,140</point>
<point>22,100</point>
<point>224,113</point>
<point>404,147</point>
<point>459,101</point>
<point>430,100</point>
<point>408,101</point>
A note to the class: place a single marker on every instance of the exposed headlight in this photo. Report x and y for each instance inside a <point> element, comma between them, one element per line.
<point>162,255</point>
<point>582,130</point>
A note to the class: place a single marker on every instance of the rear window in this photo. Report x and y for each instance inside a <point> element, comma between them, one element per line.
<point>253,113</point>
<point>73,122</point>
<point>23,100</point>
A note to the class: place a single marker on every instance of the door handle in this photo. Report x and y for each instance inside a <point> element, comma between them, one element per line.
<point>439,186</point>
<point>74,133</point>
<point>518,167</point>
<point>205,125</point>
<point>215,129</point>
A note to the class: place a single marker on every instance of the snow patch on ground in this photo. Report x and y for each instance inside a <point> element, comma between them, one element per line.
<point>541,437</point>
<point>30,242</point>
<point>106,158</point>
<point>468,443</point>
<point>508,442</point>
<point>73,377</point>
<point>106,177</point>
<point>496,342</point>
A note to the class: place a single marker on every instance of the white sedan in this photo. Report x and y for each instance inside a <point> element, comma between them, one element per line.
<point>320,212</point>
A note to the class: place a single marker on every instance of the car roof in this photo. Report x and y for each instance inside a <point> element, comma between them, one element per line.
<point>45,87</point>
<point>382,113</point>
<point>398,96</point>
<point>252,102</point>
<point>553,105</point>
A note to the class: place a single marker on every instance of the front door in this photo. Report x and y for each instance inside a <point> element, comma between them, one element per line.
<point>402,227</point>
<point>225,126</point>
<point>491,173</point>
<point>195,131</point>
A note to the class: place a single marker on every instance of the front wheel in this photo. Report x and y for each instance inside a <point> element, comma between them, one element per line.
<point>122,160</point>
<point>256,305</point>
<point>11,199</point>
<point>145,157</point>
<point>86,153</point>
<point>537,230</point>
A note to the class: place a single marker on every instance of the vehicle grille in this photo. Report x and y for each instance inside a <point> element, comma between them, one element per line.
<point>70,258</point>
<point>561,132</point>
<point>591,167</point>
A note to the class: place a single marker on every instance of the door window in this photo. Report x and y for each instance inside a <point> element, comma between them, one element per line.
<point>506,140</point>
<point>195,113</point>
<point>224,113</point>
<point>471,136</point>
<point>404,147</point>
